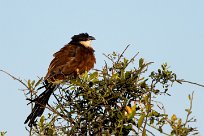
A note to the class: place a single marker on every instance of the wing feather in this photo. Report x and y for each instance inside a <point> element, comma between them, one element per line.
<point>65,61</point>
<point>70,60</point>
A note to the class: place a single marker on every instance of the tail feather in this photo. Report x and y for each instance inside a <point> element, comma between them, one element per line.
<point>40,104</point>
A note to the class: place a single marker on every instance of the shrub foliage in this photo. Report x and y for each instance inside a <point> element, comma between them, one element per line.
<point>119,99</point>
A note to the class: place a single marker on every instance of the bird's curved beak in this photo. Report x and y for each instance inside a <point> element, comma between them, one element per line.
<point>91,38</point>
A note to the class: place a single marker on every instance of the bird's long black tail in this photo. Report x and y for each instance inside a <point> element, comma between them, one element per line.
<point>40,103</point>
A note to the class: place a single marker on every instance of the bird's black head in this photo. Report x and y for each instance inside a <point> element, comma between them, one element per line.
<point>82,37</point>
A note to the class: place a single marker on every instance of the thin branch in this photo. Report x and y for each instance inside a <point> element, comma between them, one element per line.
<point>148,111</point>
<point>61,106</point>
<point>190,109</point>
<point>150,100</point>
<point>182,80</point>
<point>31,93</point>
<point>122,53</point>
<point>161,108</point>
<point>150,132</point>
<point>108,57</point>
<point>133,58</point>
<point>14,78</point>
<point>157,129</point>
<point>57,113</point>
<point>97,70</point>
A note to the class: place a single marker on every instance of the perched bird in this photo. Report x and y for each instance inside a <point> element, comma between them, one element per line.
<point>70,61</point>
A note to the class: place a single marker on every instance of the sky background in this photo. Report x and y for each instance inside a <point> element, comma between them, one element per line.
<point>162,31</point>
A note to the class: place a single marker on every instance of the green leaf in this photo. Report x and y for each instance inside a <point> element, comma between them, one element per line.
<point>125,61</point>
<point>155,113</point>
<point>85,76</point>
<point>42,119</point>
<point>122,75</point>
<point>2,133</point>
<point>29,84</point>
<point>38,82</point>
<point>128,74</point>
<point>152,120</point>
<point>75,82</point>
<point>115,76</point>
<point>93,75</point>
<point>140,120</point>
<point>160,129</point>
<point>141,62</point>
<point>189,97</point>
<point>188,110</point>
<point>41,123</point>
<point>50,132</point>
<point>33,82</point>
<point>114,54</point>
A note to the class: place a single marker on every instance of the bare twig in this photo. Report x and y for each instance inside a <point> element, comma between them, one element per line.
<point>65,117</point>
<point>182,80</point>
<point>60,104</point>
<point>157,129</point>
<point>122,53</point>
<point>158,103</point>
<point>18,79</point>
<point>31,93</point>
<point>148,111</point>
<point>108,57</point>
<point>150,100</point>
<point>190,109</point>
<point>97,70</point>
<point>133,58</point>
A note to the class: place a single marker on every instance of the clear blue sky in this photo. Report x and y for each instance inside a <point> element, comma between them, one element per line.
<point>161,30</point>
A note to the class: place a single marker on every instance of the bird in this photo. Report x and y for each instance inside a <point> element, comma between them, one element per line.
<point>72,60</point>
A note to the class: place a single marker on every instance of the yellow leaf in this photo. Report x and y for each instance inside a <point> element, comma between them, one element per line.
<point>133,112</point>
<point>128,109</point>
<point>173,118</point>
<point>133,107</point>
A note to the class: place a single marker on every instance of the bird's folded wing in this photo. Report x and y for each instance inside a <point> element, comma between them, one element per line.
<point>65,62</point>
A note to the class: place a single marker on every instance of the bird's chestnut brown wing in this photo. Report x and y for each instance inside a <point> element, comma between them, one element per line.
<point>65,62</point>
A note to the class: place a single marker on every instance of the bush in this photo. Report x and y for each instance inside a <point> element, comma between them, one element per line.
<point>117,100</point>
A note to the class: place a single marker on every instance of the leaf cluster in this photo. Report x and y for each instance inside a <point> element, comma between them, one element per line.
<point>119,99</point>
